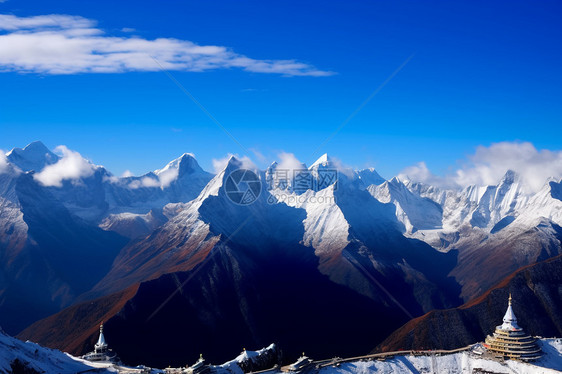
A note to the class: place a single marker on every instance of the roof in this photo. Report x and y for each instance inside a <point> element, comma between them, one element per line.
<point>509,319</point>
<point>101,340</point>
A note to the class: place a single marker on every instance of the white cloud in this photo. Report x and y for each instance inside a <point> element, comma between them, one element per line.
<point>421,173</point>
<point>341,167</point>
<point>63,44</point>
<point>4,167</point>
<point>489,164</point>
<point>219,164</point>
<point>127,174</point>
<point>10,22</point>
<point>288,161</point>
<point>110,179</point>
<point>70,166</point>
<point>168,175</point>
<point>144,182</point>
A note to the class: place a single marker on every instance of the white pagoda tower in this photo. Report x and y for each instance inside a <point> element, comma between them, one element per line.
<point>101,351</point>
<point>510,341</point>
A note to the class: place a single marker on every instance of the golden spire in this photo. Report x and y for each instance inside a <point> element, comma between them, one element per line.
<point>510,298</point>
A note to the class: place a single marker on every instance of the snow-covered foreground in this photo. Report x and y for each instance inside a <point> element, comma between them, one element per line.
<point>16,355</point>
<point>463,362</point>
<point>44,360</point>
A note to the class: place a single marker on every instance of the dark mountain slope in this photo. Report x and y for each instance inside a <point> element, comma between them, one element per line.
<point>537,302</point>
<point>231,301</point>
<point>76,328</point>
<point>54,257</point>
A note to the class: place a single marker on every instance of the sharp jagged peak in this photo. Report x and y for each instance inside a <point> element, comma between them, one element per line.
<point>233,162</point>
<point>515,182</point>
<point>218,181</point>
<point>323,160</point>
<point>272,167</point>
<point>187,156</point>
<point>175,163</point>
<point>35,156</point>
<point>34,148</point>
<point>370,176</point>
<point>396,181</point>
<point>551,187</point>
<point>369,170</point>
<point>510,177</point>
<point>185,164</point>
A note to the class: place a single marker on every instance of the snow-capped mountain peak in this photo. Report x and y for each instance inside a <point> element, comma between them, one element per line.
<point>497,202</point>
<point>414,211</point>
<point>396,181</point>
<point>218,181</point>
<point>546,203</point>
<point>185,164</point>
<point>369,177</point>
<point>35,156</point>
<point>323,160</point>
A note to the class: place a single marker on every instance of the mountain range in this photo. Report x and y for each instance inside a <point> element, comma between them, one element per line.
<point>169,257</point>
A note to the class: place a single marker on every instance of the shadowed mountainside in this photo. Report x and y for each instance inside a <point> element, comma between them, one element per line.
<point>537,302</point>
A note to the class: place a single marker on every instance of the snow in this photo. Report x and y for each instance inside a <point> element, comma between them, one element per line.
<point>250,355</point>
<point>448,364</point>
<point>34,156</point>
<point>552,353</point>
<point>461,362</point>
<point>53,361</point>
<point>326,229</point>
<point>474,214</point>
<point>509,319</point>
<point>13,229</point>
<point>323,160</point>
<point>42,359</point>
<point>107,201</point>
<point>414,211</point>
<point>427,213</point>
<point>171,171</point>
<point>369,177</point>
<point>233,367</point>
<point>546,203</point>
<point>46,360</point>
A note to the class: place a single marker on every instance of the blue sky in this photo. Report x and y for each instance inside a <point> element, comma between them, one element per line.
<point>480,74</point>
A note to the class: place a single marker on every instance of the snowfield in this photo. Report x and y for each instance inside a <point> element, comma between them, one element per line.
<point>463,362</point>
<point>35,358</point>
<point>41,359</point>
<point>45,360</point>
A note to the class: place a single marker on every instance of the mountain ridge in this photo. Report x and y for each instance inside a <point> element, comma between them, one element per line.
<point>396,248</point>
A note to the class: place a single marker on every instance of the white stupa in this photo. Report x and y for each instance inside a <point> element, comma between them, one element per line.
<point>510,341</point>
<point>101,352</point>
